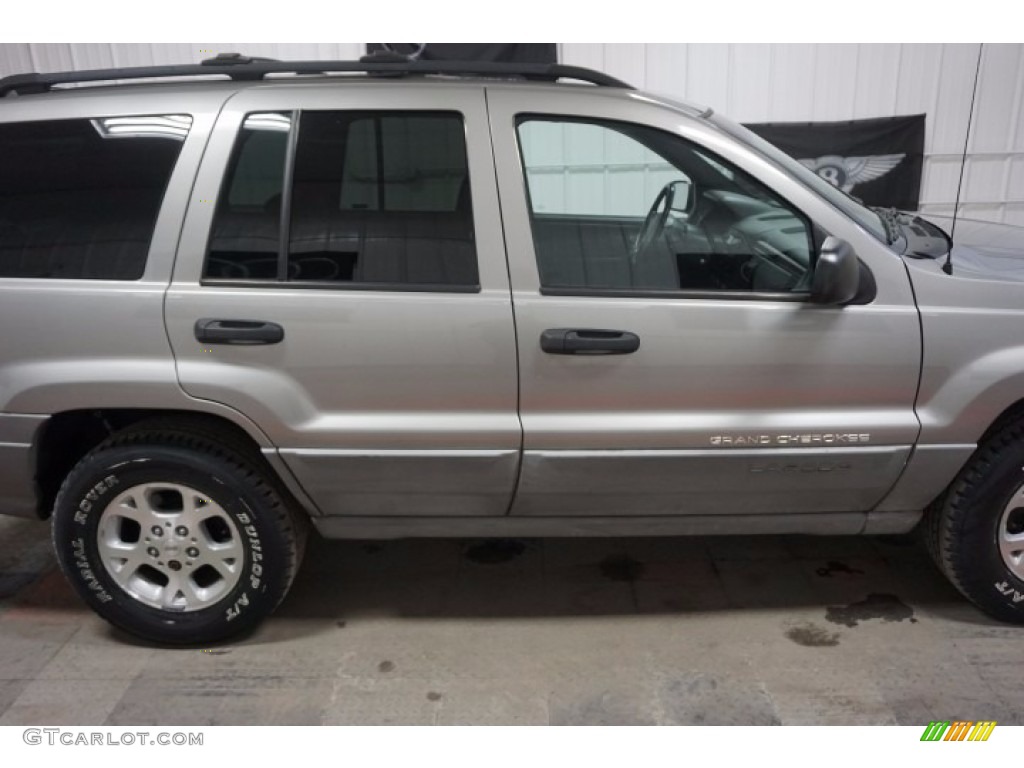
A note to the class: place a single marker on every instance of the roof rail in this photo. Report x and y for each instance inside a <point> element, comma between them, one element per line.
<point>238,67</point>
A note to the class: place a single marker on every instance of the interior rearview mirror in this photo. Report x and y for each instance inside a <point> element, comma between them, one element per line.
<point>684,198</point>
<point>836,274</point>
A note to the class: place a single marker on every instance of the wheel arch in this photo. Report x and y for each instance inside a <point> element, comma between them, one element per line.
<point>67,436</point>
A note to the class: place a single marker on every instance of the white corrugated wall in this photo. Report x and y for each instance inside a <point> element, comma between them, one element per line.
<point>752,83</point>
<point>786,82</point>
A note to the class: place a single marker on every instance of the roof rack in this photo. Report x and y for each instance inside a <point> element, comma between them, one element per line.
<point>238,67</point>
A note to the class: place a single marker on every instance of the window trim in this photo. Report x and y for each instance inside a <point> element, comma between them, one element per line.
<point>284,239</point>
<point>815,233</point>
<point>287,183</point>
<point>793,297</point>
<point>326,285</point>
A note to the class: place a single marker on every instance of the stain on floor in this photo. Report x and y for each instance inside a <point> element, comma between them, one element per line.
<point>494,551</point>
<point>884,607</point>
<point>812,636</point>
<point>835,566</point>
<point>705,699</point>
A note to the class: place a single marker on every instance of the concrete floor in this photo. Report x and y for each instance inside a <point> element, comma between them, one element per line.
<point>587,631</point>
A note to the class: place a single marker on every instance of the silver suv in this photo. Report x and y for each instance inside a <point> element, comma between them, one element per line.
<point>401,299</point>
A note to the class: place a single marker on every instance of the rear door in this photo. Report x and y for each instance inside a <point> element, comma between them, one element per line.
<point>345,287</point>
<point>689,374</point>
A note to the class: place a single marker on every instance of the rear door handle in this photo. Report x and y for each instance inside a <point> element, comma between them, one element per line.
<point>238,332</point>
<point>588,341</point>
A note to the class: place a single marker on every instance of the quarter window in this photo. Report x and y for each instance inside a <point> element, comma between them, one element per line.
<point>620,207</point>
<point>246,234</point>
<point>79,199</point>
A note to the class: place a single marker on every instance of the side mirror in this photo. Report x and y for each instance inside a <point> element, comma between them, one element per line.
<point>837,273</point>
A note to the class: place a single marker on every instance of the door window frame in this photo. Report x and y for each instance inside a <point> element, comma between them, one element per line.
<point>816,234</point>
<point>285,223</point>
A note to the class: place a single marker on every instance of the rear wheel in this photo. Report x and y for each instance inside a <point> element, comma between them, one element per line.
<point>976,532</point>
<point>176,536</point>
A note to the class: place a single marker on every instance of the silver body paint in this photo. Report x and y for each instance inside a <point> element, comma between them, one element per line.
<point>428,413</point>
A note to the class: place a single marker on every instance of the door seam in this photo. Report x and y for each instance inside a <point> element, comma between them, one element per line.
<point>512,307</point>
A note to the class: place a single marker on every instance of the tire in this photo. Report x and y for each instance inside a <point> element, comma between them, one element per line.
<point>965,528</point>
<point>209,541</point>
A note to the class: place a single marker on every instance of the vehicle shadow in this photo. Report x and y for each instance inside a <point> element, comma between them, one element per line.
<point>890,578</point>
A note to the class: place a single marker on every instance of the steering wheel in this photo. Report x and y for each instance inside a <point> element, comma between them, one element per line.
<point>656,220</point>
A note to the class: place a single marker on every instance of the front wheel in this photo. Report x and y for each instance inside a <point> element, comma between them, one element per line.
<point>176,537</point>
<point>976,532</point>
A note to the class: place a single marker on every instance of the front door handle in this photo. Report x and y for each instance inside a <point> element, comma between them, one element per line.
<point>238,332</point>
<point>588,341</point>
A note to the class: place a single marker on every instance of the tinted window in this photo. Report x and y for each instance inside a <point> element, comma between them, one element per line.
<point>376,198</point>
<point>80,198</point>
<point>625,207</point>
<point>246,236</point>
<point>382,198</point>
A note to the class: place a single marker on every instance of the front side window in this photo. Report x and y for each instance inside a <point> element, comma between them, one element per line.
<point>79,199</point>
<point>374,198</point>
<point>615,206</point>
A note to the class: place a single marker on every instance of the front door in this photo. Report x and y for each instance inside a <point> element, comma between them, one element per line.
<point>345,287</point>
<point>670,361</point>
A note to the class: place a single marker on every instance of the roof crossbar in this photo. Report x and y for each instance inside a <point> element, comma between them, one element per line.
<point>243,68</point>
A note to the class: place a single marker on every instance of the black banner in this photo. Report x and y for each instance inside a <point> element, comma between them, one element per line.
<point>878,160</point>
<point>522,53</point>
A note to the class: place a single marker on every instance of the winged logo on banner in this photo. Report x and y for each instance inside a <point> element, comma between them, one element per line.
<point>848,172</point>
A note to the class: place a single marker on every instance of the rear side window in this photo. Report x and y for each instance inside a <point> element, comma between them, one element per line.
<point>379,199</point>
<point>79,198</point>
